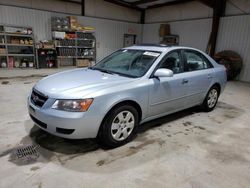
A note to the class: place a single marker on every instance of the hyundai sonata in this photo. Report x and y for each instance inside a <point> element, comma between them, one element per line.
<point>129,87</point>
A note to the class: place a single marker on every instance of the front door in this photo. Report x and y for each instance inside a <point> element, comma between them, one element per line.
<point>168,94</point>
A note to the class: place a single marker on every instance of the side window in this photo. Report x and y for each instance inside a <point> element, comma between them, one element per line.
<point>172,61</point>
<point>195,61</point>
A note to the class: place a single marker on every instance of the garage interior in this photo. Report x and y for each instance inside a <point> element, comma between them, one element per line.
<point>190,148</point>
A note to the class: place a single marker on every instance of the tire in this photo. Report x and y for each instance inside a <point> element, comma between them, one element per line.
<point>211,99</point>
<point>119,126</point>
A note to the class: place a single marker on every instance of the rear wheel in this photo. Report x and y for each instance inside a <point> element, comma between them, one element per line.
<point>211,99</point>
<point>119,126</point>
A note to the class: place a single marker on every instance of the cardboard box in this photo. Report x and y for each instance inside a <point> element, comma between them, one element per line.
<point>48,46</point>
<point>72,19</point>
<point>82,62</point>
<point>73,22</point>
<point>2,51</point>
<point>164,30</point>
<point>58,34</point>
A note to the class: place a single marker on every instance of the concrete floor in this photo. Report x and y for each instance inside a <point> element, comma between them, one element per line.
<point>190,149</point>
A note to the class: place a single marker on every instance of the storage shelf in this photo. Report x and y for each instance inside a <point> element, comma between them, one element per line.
<point>85,47</point>
<point>66,56</point>
<point>82,42</point>
<point>18,35</point>
<point>84,39</point>
<point>74,47</point>
<point>12,38</point>
<point>19,44</point>
<point>65,46</point>
<point>21,55</point>
<point>86,57</point>
<point>74,31</point>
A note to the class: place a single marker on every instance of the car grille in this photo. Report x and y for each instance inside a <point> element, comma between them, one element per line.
<point>38,98</point>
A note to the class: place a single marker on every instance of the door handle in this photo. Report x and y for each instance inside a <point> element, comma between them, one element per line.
<point>184,81</point>
<point>209,76</point>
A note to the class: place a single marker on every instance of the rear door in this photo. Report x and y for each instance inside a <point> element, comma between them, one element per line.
<point>198,73</point>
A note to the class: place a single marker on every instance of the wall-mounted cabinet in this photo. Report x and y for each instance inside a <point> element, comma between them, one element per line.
<point>17,49</point>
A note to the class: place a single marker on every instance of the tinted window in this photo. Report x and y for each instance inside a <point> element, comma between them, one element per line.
<point>196,61</point>
<point>173,62</point>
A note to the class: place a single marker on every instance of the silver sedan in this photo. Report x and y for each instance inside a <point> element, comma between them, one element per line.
<point>129,87</point>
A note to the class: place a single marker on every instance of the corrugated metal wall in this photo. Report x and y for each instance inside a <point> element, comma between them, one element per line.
<point>194,33</point>
<point>39,20</point>
<point>182,11</point>
<point>234,34</point>
<point>109,34</point>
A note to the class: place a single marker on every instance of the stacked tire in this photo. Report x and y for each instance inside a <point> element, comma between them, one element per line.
<point>232,61</point>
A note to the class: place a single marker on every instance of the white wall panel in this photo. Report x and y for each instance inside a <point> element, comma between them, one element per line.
<point>39,20</point>
<point>235,7</point>
<point>193,33</point>
<point>103,9</point>
<point>178,12</point>
<point>194,10</point>
<point>109,34</point>
<point>22,3</point>
<point>51,5</point>
<point>93,8</point>
<point>234,34</point>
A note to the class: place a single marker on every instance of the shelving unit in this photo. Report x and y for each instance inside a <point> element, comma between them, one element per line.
<point>17,49</point>
<point>80,47</point>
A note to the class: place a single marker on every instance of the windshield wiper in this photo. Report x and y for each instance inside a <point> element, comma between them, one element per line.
<point>112,72</point>
<point>105,71</point>
<point>101,70</point>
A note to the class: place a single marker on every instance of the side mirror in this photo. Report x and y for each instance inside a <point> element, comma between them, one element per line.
<point>163,73</point>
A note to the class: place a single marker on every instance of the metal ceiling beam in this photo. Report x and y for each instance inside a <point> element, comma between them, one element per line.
<point>142,2</point>
<point>123,4</point>
<point>170,3</point>
<point>83,7</point>
<point>142,21</point>
<point>75,2</point>
<point>218,11</point>
<point>209,3</point>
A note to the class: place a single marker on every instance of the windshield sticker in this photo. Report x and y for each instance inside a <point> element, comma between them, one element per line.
<point>124,50</point>
<point>151,54</point>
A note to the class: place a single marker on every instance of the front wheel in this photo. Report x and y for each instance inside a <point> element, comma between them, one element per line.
<point>119,126</point>
<point>211,99</point>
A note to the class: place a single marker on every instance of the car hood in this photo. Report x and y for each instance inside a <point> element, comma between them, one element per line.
<point>78,83</point>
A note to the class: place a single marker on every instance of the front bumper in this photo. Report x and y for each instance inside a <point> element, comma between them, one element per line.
<point>72,125</point>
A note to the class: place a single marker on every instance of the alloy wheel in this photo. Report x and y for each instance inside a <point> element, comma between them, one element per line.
<point>212,98</point>
<point>122,125</point>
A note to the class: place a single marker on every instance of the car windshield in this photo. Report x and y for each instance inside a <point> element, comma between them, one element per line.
<point>130,63</point>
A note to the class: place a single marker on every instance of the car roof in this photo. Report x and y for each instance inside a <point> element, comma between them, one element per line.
<point>157,47</point>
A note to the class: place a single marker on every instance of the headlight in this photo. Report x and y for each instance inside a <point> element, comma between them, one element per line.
<point>78,105</point>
